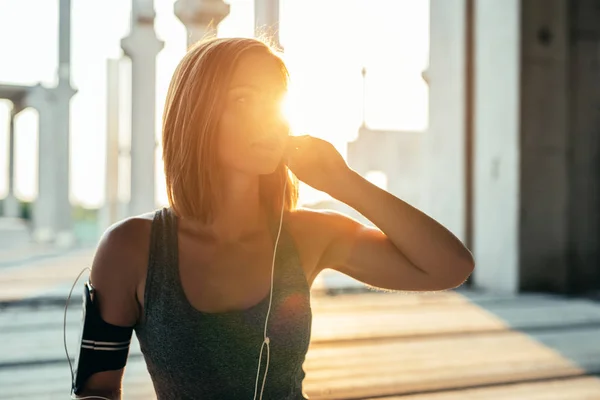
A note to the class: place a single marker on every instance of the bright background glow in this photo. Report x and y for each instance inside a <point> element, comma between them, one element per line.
<point>327,43</point>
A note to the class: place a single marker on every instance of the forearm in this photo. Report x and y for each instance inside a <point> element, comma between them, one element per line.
<point>426,243</point>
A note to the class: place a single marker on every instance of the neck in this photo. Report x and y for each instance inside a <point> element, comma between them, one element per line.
<point>239,209</point>
<point>238,212</point>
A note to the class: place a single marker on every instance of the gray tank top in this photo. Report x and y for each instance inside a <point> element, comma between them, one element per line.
<point>195,355</point>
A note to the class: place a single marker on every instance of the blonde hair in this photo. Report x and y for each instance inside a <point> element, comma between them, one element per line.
<point>193,107</point>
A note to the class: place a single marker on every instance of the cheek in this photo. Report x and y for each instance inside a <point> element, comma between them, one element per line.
<point>232,142</point>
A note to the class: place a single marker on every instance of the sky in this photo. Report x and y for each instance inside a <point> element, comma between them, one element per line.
<point>327,43</point>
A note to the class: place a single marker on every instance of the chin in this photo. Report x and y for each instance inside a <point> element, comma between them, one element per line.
<point>266,168</point>
<point>264,164</point>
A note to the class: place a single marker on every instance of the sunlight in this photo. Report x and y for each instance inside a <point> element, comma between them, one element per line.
<point>325,97</point>
<point>292,112</point>
<point>287,111</point>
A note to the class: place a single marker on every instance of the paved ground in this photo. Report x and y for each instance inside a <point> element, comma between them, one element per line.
<point>438,346</point>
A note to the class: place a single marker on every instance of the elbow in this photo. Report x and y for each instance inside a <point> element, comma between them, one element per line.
<point>456,273</point>
<point>466,264</point>
<point>461,270</point>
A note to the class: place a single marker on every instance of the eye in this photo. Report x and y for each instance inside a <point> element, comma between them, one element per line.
<point>244,101</point>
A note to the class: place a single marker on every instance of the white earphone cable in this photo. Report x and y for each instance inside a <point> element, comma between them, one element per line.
<point>266,340</point>
<point>65,341</point>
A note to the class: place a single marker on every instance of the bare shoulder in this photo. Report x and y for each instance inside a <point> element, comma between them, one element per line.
<point>313,231</point>
<point>119,265</point>
<point>306,223</point>
<point>321,222</point>
<point>127,237</point>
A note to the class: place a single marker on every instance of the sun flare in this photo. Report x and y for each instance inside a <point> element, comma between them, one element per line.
<point>291,111</point>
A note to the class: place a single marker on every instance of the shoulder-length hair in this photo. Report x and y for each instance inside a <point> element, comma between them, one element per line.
<point>193,107</point>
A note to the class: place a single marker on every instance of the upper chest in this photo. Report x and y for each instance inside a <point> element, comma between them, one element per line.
<point>217,275</point>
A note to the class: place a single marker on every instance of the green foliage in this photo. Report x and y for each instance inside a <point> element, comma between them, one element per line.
<point>85,214</point>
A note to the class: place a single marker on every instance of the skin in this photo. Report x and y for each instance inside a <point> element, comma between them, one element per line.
<point>226,265</point>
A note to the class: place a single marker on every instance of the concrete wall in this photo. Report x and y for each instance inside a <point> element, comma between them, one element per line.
<point>537,146</point>
<point>497,132</point>
<point>560,146</point>
<point>444,148</point>
<point>543,225</point>
<point>584,146</point>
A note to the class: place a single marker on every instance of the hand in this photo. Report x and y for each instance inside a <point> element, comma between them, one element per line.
<point>317,163</point>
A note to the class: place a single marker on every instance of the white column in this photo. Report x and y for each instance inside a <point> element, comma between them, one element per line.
<point>497,138</point>
<point>62,105</point>
<point>110,210</point>
<point>444,141</point>
<point>44,207</point>
<point>142,46</point>
<point>201,18</point>
<point>63,210</point>
<point>266,20</point>
<point>11,203</point>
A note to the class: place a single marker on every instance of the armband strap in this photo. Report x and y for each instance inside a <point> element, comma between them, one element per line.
<point>104,347</point>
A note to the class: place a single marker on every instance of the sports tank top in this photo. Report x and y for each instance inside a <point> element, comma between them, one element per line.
<point>203,356</point>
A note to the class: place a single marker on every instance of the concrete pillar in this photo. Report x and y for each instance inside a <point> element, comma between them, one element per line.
<point>443,144</point>
<point>497,142</point>
<point>200,17</point>
<point>62,106</point>
<point>11,203</point>
<point>584,144</point>
<point>521,174</point>
<point>110,210</point>
<point>52,212</point>
<point>266,20</point>
<point>142,46</point>
<point>544,181</point>
<point>44,207</point>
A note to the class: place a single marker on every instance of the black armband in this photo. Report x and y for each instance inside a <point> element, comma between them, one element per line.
<point>104,347</point>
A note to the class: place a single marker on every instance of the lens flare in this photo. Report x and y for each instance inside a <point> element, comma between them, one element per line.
<point>290,111</point>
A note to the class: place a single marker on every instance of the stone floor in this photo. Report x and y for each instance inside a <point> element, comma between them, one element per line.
<point>435,346</point>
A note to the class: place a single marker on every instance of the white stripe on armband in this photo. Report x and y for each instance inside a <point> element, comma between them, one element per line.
<point>105,346</point>
<point>84,346</point>
<point>106,343</point>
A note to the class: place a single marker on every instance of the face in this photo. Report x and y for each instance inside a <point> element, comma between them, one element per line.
<point>252,130</point>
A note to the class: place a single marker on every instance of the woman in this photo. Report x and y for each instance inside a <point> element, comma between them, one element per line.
<point>194,279</point>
